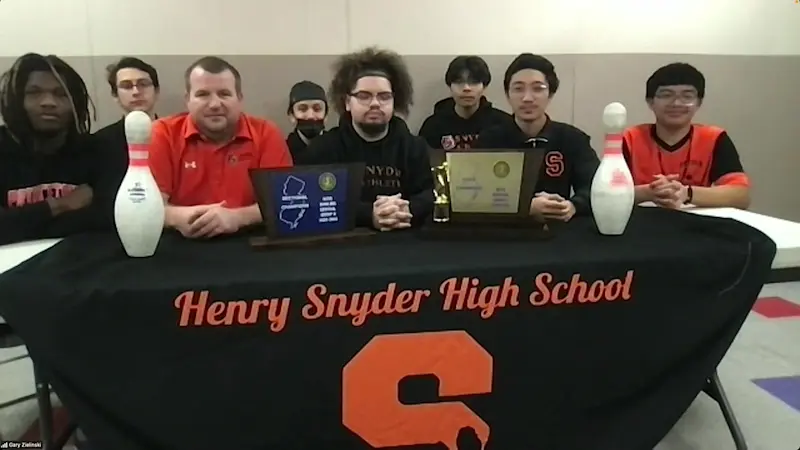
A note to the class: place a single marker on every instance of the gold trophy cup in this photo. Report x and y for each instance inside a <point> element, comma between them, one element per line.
<point>441,187</point>
<point>485,194</point>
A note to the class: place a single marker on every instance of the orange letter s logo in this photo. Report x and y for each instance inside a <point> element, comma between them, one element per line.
<point>370,384</point>
<point>554,164</point>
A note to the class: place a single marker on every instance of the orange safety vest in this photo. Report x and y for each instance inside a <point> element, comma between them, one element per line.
<point>692,162</point>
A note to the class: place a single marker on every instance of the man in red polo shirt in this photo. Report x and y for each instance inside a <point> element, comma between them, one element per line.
<point>201,159</point>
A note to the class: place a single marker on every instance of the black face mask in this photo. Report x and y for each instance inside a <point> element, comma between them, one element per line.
<point>310,128</point>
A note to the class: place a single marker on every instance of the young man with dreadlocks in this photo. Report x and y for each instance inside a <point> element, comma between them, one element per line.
<point>368,89</point>
<point>52,181</point>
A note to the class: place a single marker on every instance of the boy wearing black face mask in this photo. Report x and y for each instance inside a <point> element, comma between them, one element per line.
<point>307,111</point>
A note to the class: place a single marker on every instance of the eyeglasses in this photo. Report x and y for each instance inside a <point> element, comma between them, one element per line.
<point>139,84</point>
<point>685,98</point>
<point>537,90</point>
<point>365,98</point>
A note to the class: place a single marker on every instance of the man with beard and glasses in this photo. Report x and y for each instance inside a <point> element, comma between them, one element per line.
<point>201,159</point>
<point>369,87</point>
<point>570,162</point>
<point>458,120</point>
<point>675,162</point>
<point>53,180</point>
<point>308,108</point>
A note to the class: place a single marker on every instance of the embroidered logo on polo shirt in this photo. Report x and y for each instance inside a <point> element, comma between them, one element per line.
<point>190,165</point>
<point>243,156</point>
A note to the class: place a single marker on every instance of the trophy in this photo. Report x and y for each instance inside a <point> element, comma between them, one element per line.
<point>441,202</point>
<point>485,193</point>
<point>308,204</point>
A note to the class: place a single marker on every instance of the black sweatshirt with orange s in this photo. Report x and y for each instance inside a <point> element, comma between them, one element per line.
<point>28,179</point>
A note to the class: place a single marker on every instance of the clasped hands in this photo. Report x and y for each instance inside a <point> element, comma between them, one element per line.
<point>668,192</point>
<point>391,212</point>
<point>78,199</point>
<point>552,206</point>
<point>205,221</point>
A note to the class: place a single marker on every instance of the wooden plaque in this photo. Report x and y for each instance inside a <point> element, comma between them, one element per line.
<point>311,187</point>
<point>472,225</point>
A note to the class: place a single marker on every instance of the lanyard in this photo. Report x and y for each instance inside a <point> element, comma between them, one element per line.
<point>534,141</point>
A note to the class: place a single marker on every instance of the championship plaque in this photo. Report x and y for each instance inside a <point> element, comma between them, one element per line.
<point>308,204</point>
<point>485,193</point>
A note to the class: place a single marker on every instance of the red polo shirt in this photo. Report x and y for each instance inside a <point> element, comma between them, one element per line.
<point>191,170</point>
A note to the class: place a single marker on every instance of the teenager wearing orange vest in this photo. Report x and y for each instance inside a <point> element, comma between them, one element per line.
<point>675,162</point>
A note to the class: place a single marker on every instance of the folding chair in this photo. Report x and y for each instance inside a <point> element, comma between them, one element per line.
<point>42,396</point>
<point>714,390</point>
<point>49,441</point>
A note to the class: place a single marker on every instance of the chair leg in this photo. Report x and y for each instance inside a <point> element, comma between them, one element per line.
<point>714,390</point>
<point>61,440</point>
<point>45,408</point>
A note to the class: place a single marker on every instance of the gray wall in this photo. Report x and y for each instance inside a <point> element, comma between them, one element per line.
<point>756,98</point>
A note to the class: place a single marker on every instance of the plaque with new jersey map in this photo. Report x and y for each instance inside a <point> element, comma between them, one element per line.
<point>307,204</point>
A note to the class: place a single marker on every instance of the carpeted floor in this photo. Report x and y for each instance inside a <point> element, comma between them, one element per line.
<point>761,374</point>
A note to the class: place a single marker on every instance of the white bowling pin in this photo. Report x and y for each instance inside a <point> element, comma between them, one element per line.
<point>612,194</point>
<point>139,208</point>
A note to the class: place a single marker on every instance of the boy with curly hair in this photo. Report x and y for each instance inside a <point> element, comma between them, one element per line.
<point>369,89</point>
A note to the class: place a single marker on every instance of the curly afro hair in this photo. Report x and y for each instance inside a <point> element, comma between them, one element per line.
<point>348,69</point>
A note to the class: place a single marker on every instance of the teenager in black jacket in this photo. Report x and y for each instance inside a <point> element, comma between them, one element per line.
<point>54,181</point>
<point>569,163</point>
<point>458,120</point>
<point>369,87</point>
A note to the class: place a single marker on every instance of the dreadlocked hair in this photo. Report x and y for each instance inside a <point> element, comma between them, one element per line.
<point>349,68</point>
<point>12,93</point>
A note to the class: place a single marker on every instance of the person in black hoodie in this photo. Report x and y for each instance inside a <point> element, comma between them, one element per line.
<point>307,111</point>
<point>569,163</point>
<point>368,88</point>
<point>53,180</point>
<point>458,120</point>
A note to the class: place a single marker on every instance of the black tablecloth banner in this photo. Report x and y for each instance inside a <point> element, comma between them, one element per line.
<point>582,342</point>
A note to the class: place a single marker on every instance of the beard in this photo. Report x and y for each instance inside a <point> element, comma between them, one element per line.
<point>373,129</point>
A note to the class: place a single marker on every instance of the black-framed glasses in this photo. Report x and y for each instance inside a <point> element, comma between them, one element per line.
<point>684,97</point>
<point>536,89</point>
<point>365,98</point>
<point>128,85</point>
